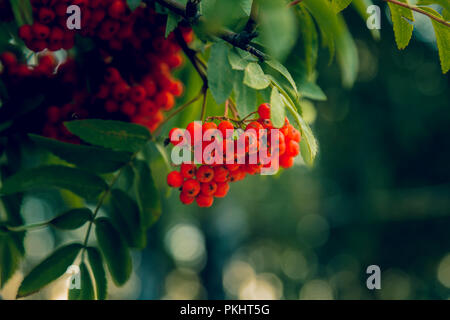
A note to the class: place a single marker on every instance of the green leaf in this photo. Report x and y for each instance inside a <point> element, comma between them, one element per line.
<point>254,77</point>
<point>278,28</point>
<point>443,40</point>
<point>147,195</point>
<point>172,23</point>
<point>361,7</point>
<point>339,5</point>
<point>278,113</point>
<point>134,4</point>
<point>115,251</point>
<point>401,19</point>
<point>72,219</point>
<point>110,134</point>
<point>98,271</point>
<point>49,270</point>
<point>237,61</point>
<point>246,6</point>
<point>86,291</point>
<point>445,4</point>
<point>335,31</point>
<point>23,12</point>
<point>91,158</point>
<point>220,73</point>
<point>125,214</point>
<point>311,90</point>
<point>308,33</point>
<point>9,257</point>
<point>245,96</point>
<point>80,182</point>
<point>283,71</point>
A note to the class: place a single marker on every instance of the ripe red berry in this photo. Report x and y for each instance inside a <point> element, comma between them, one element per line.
<point>221,174</point>
<point>137,94</point>
<point>40,31</point>
<point>112,75</point>
<point>176,137</point>
<point>117,9</point>
<point>120,91</point>
<point>209,188</point>
<point>176,88</point>
<point>191,187</point>
<point>46,15</point>
<point>53,114</point>
<point>188,170</point>
<point>111,106</point>
<point>264,111</point>
<point>226,127</point>
<point>222,190</point>
<point>175,179</point>
<point>204,201</point>
<point>165,100</point>
<point>292,148</point>
<point>192,129</point>
<point>128,108</point>
<point>186,199</point>
<point>205,174</point>
<point>25,32</point>
<point>286,161</point>
<point>8,59</point>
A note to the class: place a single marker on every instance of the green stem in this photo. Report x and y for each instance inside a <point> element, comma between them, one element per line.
<point>27,227</point>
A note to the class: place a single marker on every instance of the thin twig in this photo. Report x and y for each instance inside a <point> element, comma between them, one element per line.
<point>417,9</point>
<point>228,36</point>
<point>293,3</point>
<point>203,115</point>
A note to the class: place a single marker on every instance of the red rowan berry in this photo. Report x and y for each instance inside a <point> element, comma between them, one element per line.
<point>150,86</point>
<point>112,75</point>
<point>111,106</point>
<point>128,108</point>
<point>137,94</point>
<point>46,15</point>
<point>225,126</point>
<point>53,114</point>
<point>176,137</point>
<point>191,129</point>
<point>188,170</point>
<point>176,88</point>
<point>208,188</point>
<point>286,161</point>
<point>204,201</point>
<point>8,59</point>
<point>221,174</point>
<point>292,148</point>
<point>120,91</point>
<point>191,187</point>
<point>264,111</point>
<point>175,179</point>
<point>165,100</point>
<point>40,31</point>
<point>222,190</point>
<point>117,9</point>
<point>208,126</point>
<point>25,32</point>
<point>186,199</point>
<point>205,174</point>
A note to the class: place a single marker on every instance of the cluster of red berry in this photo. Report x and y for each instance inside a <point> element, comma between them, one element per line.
<point>14,69</point>
<point>138,85</point>
<point>209,179</point>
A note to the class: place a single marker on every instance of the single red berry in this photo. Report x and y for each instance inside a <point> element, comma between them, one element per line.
<point>137,94</point>
<point>8,59</point>
<point>128,108</point>
<point>264,111</point>
<point>53,114</point>
<point>40,31</point>
<point>222,190</point>
<point>112,75</point>
<point>175,179</point>
<point>237,175</point>
<point>186,199</point>
<point>292,148</point>
<point>46,15</point>
<point>25,32</point>
<point>221,174</point>
<point>120,91</point>
<point>226,127</point>
<point>204,201</point>
<point>209,188</point>
<point>176,137</point>
<point>150,86</point>
<point>176,88</point>
<point>191,187</point>
<point>165,100</point>
<point>191,129</point>
<point>286,161</point>
<point>111,106</point>
<point>295,135</point>
<point>205,174</point>
<point>208,126</point>
<point>188,170</point>
<point>117,9</point>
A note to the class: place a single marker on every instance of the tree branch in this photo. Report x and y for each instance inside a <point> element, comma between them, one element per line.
<point>229,36</point>
<point>417,9</point>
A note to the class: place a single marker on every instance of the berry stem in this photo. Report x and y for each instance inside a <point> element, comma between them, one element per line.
<point>205,94</point>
